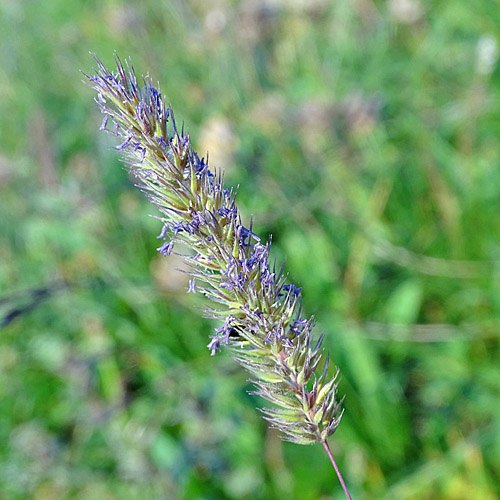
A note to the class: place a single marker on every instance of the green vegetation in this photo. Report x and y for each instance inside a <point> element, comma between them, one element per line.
<point>365,138</point>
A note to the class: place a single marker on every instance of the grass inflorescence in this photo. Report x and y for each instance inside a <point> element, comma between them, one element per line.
<point>260,314</point>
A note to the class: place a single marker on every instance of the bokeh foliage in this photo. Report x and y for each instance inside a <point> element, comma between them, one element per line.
<point>364,137</point>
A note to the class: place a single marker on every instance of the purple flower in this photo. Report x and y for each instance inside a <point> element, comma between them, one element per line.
<point>224,211</point>
<point>166,248</point>
<point>104,123</point>
<point>244,233</point>
<point>292,289</point>
<point>214,345</point>
<point>124,144</point>
<point>163,233</point>
<point>162,142</point>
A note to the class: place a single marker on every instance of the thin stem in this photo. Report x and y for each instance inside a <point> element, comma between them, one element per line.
<point>339,475</point>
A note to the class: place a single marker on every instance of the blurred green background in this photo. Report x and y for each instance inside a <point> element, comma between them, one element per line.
<point>364,136</point>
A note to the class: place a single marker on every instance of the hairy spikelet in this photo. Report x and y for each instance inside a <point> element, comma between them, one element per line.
<point>259,313</point>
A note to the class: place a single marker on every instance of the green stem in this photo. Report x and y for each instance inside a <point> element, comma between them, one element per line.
<point>339,475</point>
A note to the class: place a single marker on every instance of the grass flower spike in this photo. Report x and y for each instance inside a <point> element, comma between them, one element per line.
<point>259,313</point>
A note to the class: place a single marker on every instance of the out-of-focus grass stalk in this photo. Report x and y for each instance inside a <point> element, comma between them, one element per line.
<point>260,314</point>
